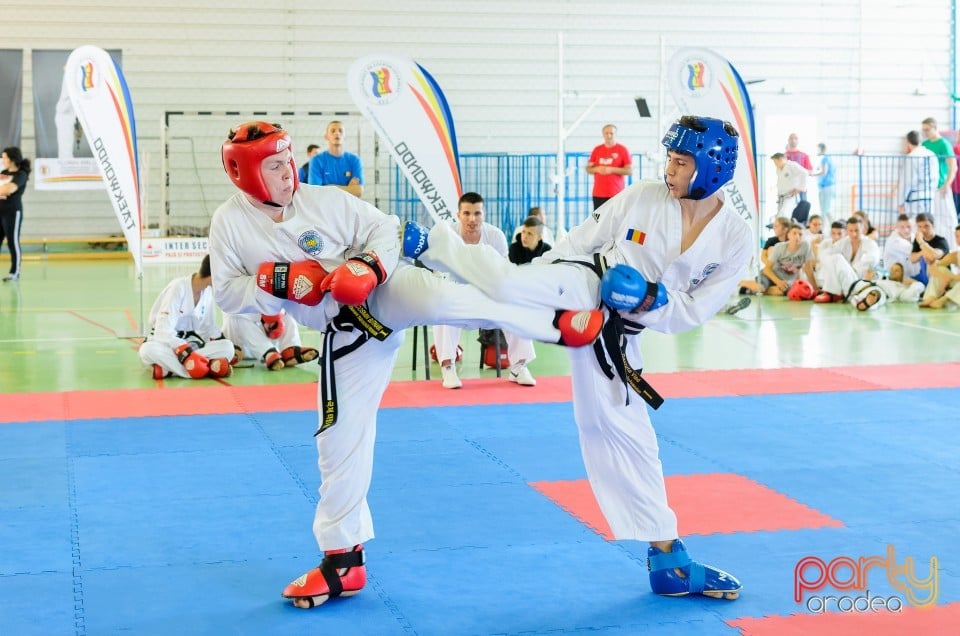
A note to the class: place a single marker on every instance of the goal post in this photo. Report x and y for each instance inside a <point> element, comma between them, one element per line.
<point>193,183</point>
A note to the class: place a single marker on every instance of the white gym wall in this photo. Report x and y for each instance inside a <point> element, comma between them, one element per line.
<point>869,70</point>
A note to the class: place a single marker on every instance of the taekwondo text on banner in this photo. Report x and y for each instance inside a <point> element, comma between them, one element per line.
<point>11,97</point>
<point>703,83</point>
<point>64,159</point>
<point>102,104</point>
<point>409,111</point>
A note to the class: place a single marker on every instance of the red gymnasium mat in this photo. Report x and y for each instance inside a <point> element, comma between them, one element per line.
<point>702,504</point>
<point>910,620</point>
<point>222,398</point>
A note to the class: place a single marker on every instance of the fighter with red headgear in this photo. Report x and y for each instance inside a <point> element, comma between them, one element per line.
<point>332,261</point>
<point>661,256</point>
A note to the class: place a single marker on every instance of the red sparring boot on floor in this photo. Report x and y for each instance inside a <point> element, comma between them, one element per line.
<point>159,372</point>
<point>272,359</point>
<point>220,368</point>
<point>292,356</point>
<point>341,573</point>
<point>578,328</point>
<point>827,297</point>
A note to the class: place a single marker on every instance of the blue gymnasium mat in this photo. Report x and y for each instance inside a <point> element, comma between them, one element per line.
<point>194,524</point>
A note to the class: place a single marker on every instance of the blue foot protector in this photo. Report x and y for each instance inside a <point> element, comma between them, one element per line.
<point>697,578</point>
<point>414,239</point>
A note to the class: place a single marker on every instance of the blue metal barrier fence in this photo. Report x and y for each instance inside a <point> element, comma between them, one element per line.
<point>513,183</point>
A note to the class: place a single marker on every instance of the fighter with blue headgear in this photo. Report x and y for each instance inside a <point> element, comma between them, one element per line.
<point>661,255</point>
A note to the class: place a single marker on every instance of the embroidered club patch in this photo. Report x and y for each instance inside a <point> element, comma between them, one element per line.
<point>709,269</point>
<point>310,242</point>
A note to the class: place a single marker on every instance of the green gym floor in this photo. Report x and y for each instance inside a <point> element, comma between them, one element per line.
<point>73,325</point>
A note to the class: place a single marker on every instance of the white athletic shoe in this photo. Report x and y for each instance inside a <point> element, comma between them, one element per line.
<point>11,277</point>
<point>520,374</point>
<point>450,379</point>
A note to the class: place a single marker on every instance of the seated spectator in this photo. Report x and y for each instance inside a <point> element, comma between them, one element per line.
<point>843,284</point>
<point>786,261</point>
<point>273,340</point>
<point>528,244</point>
<point>546,233</point>
<point>826,246</point>
<point>184,337</point>
<point>941,290</point>
<point>900,287</point>
<point>868,230</point>
<point>813,232</point>
<point>780,226</point>
<point>943,280</point>
<point>898,246</point>
<point>861,253</point>
<point>474,230</point>
<point>928,248</point>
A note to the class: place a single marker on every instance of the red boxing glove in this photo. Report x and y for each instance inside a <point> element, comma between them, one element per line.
<point>352,282</point>
<point>273,325</point>
<point>299,282</point>
<point>195,364</point>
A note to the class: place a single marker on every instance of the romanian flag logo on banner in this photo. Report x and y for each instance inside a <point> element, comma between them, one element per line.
<point>410,113</point>
<point>704,83</point>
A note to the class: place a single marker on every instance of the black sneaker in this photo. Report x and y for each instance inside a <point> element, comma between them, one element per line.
<point>733,308</point>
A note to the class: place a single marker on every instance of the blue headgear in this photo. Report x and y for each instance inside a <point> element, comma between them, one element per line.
<point>713,145</point>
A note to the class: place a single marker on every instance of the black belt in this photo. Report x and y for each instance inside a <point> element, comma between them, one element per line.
<point>612,343</point>
<point>191,336</point>
<point>349,319</point>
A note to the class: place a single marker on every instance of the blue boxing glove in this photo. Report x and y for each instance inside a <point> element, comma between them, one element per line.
<point>624,288</point>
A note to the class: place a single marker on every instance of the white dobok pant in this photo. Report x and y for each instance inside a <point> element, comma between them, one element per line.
<point>247,333</point>
<point>446,339</point>
<point>617,440</point>
<point>411,297</point>
<point>156,352</point>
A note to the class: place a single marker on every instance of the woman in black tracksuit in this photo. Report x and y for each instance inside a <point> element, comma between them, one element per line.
<point>13,181</point>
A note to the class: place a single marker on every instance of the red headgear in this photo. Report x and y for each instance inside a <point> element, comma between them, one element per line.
<point>800,290</point>
<point>245,149</point>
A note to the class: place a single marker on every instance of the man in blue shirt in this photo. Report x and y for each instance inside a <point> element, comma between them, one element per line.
<point>336,166</point>
<point>826,181</point>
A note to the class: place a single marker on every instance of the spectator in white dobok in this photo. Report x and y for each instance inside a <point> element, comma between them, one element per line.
<point>273,339</point>
<point>861,253</point>
<point>473,230</point>
<point>899,244</point>
<point>185,339</point>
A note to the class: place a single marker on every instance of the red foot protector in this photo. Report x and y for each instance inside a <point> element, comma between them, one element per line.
<point>938,619</point>
<point>698,501</point>
<point>341,573</point>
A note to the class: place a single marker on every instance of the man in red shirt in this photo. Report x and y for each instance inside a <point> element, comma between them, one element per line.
<point>795,154</point>
<point>609,163</point>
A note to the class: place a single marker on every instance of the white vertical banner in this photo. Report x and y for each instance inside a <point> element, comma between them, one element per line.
<point>99,94</point>
<point>409,111</point>
<point>704,83</point>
